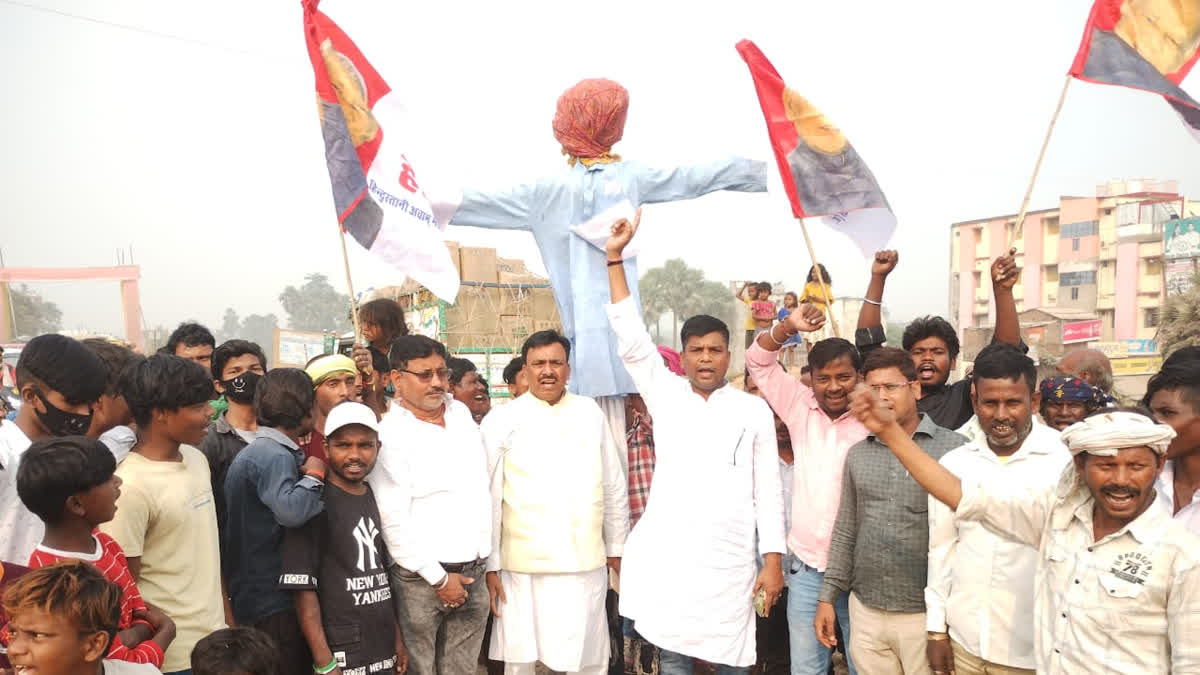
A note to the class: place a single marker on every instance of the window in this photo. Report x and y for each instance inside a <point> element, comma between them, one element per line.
<point>1150,317</point>
<point>1084,278</point>
<point>1074,292</point>
<point>1085,229</point>
<point>1074,244</point>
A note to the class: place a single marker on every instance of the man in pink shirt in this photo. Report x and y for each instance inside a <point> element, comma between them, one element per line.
<point>822,431</point>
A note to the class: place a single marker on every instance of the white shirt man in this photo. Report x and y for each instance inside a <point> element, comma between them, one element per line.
<point>431,484</point>
<point>981,583</point>
<point>561,513</point>
<point>688,576</point>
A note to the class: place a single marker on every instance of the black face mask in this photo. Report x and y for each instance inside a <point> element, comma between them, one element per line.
<point>60,422</point>
<point>240,389</point>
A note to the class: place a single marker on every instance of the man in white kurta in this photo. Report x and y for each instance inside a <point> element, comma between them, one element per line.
<point>560,516</point>
<point>690,571</point>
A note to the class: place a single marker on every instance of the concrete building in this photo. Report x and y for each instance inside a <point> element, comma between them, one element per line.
<point>1097,261</point>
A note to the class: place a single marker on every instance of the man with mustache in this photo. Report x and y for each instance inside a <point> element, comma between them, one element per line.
<point>431,484</point>
<point>878,549</point>
<point>1067,400</point>
<point>932,341</point>
<point>1117,584</point>
<point>979,597</point>
<point>334,380</point>
<point>560,515</point>
<point>822,432</point>
<point>690,577</point>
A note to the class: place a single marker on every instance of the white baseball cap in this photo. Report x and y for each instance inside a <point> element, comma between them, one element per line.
<point>350,412</point>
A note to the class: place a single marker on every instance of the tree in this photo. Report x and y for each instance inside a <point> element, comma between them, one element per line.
<point>682,291</point>
<point>230,326</point>
<point>1179,322</point>
<point>260,329</point>
<point>712,298</point>
<point>316,305</point>
<point>32,314</point>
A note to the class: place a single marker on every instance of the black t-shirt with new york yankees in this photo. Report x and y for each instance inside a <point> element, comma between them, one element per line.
<point>340,554</point>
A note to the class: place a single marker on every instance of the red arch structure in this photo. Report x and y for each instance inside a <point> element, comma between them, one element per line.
<point>128,275</point>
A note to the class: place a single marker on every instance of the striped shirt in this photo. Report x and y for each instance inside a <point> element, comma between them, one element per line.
<point>110,560</point>
<point>640,442</point>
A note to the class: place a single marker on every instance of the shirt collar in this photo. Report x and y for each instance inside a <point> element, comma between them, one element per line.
<point>925,426</point>
<point>560,405</point>
<point>454,407</point>
<point>1042,439</point>
<point>222,425</point>
<point>277,436</point>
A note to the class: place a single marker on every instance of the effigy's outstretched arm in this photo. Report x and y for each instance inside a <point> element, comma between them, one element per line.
<point>676,184</point>
<point>507,210</point>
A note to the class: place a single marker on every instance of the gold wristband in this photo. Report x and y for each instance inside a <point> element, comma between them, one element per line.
<point>937,636</point>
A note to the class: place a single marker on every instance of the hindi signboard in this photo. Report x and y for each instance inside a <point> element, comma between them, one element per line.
<point>1136,365</point>
<point>1080,331</point>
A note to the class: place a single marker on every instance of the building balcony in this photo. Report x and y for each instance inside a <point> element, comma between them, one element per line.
<point>1108,251</point>
<point>1105,301</point>
<point>1140,232</point>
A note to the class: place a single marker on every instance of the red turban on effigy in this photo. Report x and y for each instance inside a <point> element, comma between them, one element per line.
<point>590,118</point>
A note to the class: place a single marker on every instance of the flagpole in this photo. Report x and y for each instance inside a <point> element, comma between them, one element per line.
<point>1018,230</point>
<point>820,278</point>
<point>350,287</point>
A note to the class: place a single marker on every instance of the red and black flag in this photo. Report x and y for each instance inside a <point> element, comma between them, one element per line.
<point>823,174</point>
<point>1143,44</point>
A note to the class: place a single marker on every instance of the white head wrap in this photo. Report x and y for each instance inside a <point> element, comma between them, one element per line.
<point>1107,433</point>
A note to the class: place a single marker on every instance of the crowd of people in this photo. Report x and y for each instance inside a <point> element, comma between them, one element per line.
<point>197,511</point>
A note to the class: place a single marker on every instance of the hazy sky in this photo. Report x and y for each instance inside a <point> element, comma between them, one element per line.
<point>195,138</point>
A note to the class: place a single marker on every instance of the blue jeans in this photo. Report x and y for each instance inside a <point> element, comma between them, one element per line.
<point>674,663</point>
<point>810,657</point>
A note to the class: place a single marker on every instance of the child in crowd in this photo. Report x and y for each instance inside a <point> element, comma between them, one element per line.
<point>69,484</point>
<point>236,651</point>
<point>762,310</point>
<point>62,619</point>
<point>788,352</point>
<point>821,298</point>
<point>813,293</point>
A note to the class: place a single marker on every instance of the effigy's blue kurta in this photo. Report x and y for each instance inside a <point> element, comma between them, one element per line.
<point>549,209</point>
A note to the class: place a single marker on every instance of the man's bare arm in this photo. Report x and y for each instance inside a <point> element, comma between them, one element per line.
<point>1005,274</point>
<point>870,314</point>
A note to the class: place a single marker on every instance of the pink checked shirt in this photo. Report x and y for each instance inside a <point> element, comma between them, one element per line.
<point>820,446</point>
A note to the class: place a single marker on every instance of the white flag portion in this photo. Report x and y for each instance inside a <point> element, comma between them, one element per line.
<point>378,198</point>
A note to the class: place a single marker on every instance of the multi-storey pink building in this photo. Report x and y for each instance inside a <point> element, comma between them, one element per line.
<point>1099,257</point>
